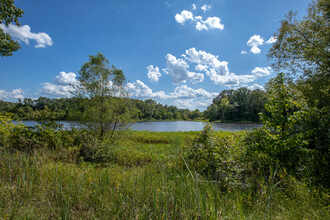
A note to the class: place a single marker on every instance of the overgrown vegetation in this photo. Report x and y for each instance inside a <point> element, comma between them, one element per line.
<point>237,105</point>
<point>280,171</point>
<point>143,175</point>
<point>72,109</point>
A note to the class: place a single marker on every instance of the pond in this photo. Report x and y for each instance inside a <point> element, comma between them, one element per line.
<point>167,126</point>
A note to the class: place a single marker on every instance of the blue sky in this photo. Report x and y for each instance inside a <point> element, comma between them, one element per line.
<point>177,52</point>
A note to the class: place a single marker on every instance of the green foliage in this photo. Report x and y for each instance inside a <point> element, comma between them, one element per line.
<point>294,136</point>
<point>302,48</point>
<point>237,105</point>
<point>138,184</point>
<point>74,109</point>
<point>216,157</point>
<point>20,138</point>
<point>103,86</point>
<point>8,13</point>
<point>280,141</point>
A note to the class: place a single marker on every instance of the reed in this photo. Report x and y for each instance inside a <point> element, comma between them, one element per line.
<point>39,185</point>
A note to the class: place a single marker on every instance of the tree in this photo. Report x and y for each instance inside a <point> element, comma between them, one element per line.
<point>8,13</point>
<point>102,86</point>
<point>237,105</point>
<point>303,49</point>
<point>281,105</point>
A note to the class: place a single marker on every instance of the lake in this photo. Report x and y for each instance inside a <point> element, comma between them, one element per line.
<point>167,126</point>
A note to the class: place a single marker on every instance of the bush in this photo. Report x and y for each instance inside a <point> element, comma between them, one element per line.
<point>215,157</point>
<point>294,137</point>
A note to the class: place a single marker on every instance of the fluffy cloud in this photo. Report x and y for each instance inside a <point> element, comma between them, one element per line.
<point>14,94</point>
<point>254,42</point>
<point>153,73</point>
<point>24,34</point>
<point>252,87</point>
<point>194,7</point>
<point>192,104</point>
<point>206,7</point>
<point>243,52</point>
<point>183,96</point>
<point>62,86</point>
<point>54,90</point>
<point>211,66</point>
<point>184,16</point>
<point>185,92</point>
<point>271,40</point>
<point>65,79</point>
<point>178,70</point>
<point>139,89</point>
<point>261,71</point>
<point>217,70</point>
<point>230,79</point>
<point>201,24</point>
<point>209,23</point>
<point>206,60</point>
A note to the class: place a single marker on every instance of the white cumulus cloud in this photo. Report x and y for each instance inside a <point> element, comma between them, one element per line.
<point>251,87</point>
<point>200,23</point>
<point>192,104</point>
<point>208,64</point>
<point>207,60</point>
<point>209,23</point>
<point>24,34</point>
<point>153,73</point>
<point>185,92</point>
<point>261,71</point>
<point>271,40</point>
<point>254,42</point>
<point>206,7</point>
<point>230,79</point>
<point>194,7</point>
<point>243,52</point>
<point>178,70</point>
<point>65,78</point>
<point>14,94</point>
<point>140,90</point>
<point>61,87</point>
<point>184,16</point>
<point>217,70</point>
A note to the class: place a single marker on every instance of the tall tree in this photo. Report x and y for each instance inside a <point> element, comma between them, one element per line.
<point>103,86</point>
<point>8,13</point>
<point>303,49</point>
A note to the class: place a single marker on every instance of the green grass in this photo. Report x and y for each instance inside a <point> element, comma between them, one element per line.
<point>146,178</point>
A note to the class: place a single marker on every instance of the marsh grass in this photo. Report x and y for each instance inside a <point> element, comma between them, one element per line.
<point>145,179</point>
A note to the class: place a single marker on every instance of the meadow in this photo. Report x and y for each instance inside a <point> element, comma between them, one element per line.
<point>143,175</point>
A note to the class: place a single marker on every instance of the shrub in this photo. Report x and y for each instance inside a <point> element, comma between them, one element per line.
<point>215,157</point>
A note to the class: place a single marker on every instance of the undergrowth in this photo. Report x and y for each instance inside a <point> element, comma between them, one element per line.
<point>146,175</point>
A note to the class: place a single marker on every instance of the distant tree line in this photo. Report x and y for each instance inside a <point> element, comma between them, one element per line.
<point>230,105</point>
<point>237,105</point>
<point>72,109</point>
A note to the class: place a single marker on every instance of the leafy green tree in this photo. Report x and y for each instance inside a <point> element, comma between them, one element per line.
<point>280,105</point>
<point>8,13</point>
<point>282,142</point>
<point>303,51</point>
<point>103,87</point>
<point>237,105</point>
<point>303,48</point>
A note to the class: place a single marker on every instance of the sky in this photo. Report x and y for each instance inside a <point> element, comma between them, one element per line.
<point>177,52</point>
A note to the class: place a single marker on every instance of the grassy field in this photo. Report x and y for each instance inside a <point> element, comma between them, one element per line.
<point>146,177</point>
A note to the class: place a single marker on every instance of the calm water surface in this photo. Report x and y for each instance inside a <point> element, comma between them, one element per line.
<point>167,126</point>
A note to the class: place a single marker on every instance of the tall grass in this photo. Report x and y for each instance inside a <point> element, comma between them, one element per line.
<point>146,178</point>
